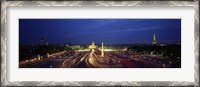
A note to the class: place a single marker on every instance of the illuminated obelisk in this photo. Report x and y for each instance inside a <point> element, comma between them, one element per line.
<point>154,39</point>
<point>102,50</point>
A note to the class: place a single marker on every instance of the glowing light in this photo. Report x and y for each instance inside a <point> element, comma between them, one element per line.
<point>92,46</point>
<point>48,55</point>
<point>102,51</point>
<point>39,57</point>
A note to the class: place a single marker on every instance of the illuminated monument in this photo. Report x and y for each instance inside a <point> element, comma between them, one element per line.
<point>102,50</point>
<point>92,46</point>
<point>154,39</point>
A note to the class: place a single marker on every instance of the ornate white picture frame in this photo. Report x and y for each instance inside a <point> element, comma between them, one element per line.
<point>4,21</point>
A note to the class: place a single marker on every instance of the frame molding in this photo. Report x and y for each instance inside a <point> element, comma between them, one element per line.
<point>5,4</point>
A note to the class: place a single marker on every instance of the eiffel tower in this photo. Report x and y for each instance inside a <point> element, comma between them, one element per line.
<point>154,39</point>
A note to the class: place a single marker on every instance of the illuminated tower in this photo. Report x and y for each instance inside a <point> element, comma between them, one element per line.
<point>154,39</point>
<point>102,50</point>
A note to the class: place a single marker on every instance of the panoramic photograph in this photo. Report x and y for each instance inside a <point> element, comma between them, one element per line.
<point>100,43</point>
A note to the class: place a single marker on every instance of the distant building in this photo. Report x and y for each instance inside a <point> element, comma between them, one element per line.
<point>75,47</point>
<point>92,46</point>
<point>163,44</point>
<point>154,39</point>
<point>42,41</point>
<point>67,45</point>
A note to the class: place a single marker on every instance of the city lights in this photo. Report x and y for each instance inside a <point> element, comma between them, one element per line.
<point>100,43</point>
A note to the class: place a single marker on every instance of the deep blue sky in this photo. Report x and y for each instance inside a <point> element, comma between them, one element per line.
<point>110,31</point>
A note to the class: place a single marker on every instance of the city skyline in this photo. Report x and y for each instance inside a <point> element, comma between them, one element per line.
<point>91,43</point>
<point>110,31</point>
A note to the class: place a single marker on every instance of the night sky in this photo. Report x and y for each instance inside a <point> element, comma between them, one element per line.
<point>110,31</point>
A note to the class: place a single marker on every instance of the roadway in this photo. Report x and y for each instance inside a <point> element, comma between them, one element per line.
<point>93,59</point>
